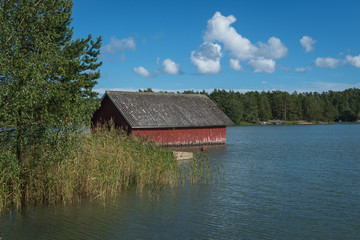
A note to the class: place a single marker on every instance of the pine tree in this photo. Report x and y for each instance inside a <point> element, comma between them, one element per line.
<point>278,105</point>
<point>250,107</point>
<point>46,77</point>
<point>264,108</point>
<point>234,107</point>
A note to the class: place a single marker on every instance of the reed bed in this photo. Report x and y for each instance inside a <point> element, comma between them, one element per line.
<point>93,165</point>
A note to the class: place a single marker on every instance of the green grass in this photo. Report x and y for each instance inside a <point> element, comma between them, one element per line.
<point>93,165</point>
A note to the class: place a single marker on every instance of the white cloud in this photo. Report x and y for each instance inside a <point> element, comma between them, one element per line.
<point>118,45</point>
<point>354,61</point>
<point>261,64</point>
<point>219,29</point>
<point>302,69</point>
<point>207,58</point>
<point>142,71</point>
<point>274,49</point>
<point>170,67</point>
<point>235,64</point>
<point>335,62</point>
<point>327,62</point>
<point>307,42</point>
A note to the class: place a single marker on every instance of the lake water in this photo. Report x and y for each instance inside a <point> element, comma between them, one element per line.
<point>280,182</point>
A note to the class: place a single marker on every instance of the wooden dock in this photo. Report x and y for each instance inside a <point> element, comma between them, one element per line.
<point>183,155</point>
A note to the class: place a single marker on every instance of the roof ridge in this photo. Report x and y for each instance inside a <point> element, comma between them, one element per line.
<point>158,93</point>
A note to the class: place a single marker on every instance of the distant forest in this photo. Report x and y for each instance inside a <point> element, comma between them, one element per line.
<point>256,106</point>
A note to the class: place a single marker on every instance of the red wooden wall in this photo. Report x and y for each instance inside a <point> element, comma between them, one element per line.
<point>108,111</point>
<point>183,136</point>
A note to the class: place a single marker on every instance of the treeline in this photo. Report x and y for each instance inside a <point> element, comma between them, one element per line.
<point>309,106</point>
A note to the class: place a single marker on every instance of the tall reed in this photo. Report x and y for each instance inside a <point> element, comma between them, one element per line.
<point>95,165</point>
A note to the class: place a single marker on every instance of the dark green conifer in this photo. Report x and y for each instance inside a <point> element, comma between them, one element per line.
<point>46,76</point>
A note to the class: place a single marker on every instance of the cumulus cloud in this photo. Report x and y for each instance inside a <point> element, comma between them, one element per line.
<point>142,71</point>
<point>307,43</point>
<point>330,62</point>
<point>235,64</point>
<point>261,64</point>
<point>219,29</point>
<point>302,69</point>
<point>327,62</point>
<point>207,58</point>
<point>353,61</point>
<point>119,45</point>
<point>274,49</point>
<point>170,67</point>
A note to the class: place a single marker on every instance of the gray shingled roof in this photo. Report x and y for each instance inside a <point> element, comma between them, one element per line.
<point>154,110</point>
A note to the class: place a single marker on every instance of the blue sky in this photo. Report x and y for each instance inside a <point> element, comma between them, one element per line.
<point>241,45</point>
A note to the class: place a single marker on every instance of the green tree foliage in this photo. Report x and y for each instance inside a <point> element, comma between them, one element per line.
<point>230,103</point>
<point>46,77</point>
<point>146,90</point>
<point>297,112</point>
<point>264,108</point>
<point>254,106</point>
<point>310,107</point>
<point>250,107</point>
<point>277,105</point>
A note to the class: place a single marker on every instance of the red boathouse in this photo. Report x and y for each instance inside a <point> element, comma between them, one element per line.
<point>166,118</point>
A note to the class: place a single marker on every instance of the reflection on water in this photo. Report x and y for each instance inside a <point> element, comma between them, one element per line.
<point>281,182</point>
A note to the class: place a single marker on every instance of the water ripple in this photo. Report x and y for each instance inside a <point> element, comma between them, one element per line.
<point>281,182</point>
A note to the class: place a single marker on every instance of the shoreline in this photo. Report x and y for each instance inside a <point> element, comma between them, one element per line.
<point>282,122</point>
